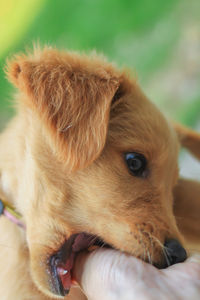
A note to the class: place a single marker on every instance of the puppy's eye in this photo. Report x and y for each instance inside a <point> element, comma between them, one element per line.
<point>136,163</point>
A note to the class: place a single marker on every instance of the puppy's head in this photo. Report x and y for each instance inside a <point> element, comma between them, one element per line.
<point>102,163</point>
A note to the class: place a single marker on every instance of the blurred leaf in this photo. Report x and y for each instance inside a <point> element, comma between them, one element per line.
<point>15,19</point>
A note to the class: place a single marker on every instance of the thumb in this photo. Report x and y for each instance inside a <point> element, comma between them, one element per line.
<point>111,275</point>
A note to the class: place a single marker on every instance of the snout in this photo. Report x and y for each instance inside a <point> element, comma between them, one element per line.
<point>59,275</point>
<point>61,263</point>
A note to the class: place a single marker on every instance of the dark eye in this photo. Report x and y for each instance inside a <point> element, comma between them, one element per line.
<point>136,163</point>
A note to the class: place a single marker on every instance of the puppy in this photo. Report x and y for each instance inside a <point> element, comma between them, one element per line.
<point>88,161</point>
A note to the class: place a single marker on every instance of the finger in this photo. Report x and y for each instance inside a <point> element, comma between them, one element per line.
<point>109,274</point>
<point>96,273</point>
<point>184,278</point>
<point>190,268</point>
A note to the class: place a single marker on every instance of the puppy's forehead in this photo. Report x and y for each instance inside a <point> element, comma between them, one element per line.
<point>137,125</point>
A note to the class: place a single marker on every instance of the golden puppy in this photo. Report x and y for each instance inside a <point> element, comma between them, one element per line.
<point>87,161</point>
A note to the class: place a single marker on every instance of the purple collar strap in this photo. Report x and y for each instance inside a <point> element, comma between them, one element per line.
<point>9,212</point>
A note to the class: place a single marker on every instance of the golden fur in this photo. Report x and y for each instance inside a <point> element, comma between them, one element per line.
<point>62,166</point>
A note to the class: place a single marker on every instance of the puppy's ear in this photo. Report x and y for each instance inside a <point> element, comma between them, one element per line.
<point>72,95</point>
<point>189,139</point>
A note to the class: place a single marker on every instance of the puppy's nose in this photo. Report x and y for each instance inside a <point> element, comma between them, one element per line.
<point>175,252</point>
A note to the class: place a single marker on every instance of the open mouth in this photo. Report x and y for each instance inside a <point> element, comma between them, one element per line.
<point>61,264</point>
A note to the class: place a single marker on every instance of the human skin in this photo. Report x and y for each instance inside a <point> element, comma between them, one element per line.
<point>110,275</point>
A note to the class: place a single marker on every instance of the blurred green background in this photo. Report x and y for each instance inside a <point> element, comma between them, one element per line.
<point>159,40</point>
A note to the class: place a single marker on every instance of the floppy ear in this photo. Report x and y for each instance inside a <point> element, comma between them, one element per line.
<point>72,95</point>
<point>189,139</point>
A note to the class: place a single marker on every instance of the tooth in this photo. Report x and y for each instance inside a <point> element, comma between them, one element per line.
<point>62,271</point>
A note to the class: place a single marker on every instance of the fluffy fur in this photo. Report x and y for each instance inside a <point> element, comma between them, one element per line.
<point>62,167</point>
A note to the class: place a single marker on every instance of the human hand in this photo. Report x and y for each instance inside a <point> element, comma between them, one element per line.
<point>107,274</point>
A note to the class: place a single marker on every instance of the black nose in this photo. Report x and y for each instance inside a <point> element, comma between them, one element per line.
<point>175,253</point>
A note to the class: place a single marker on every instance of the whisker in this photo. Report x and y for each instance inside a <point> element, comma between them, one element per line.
<point>94,239</point>
<point>144,256</point>
<point>152,237</point>
<point>157,240</point>
<point>149,257</point>
<point>103,245</point>
<point>142,242</point>
<point>152,249</point>
<point>166,256</point>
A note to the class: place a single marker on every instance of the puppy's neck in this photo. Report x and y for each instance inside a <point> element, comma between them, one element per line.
<point>16,162</point>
